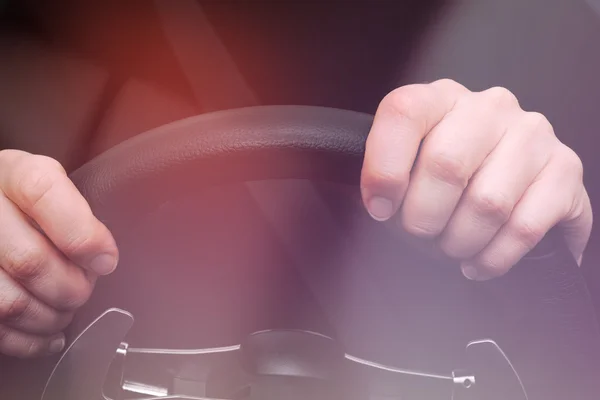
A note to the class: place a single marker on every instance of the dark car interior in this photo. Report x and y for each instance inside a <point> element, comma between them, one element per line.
<point>126,67</point>
<point>78,78</point>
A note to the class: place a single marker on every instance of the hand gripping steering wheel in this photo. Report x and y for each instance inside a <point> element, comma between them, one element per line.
<point>542,339</point>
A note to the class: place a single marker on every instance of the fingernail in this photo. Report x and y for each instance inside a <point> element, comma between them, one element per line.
<point>473,273</point>
<point>103,264</point>
<point>57,345</point>
<point>380,208</point>
<point>469,272</point>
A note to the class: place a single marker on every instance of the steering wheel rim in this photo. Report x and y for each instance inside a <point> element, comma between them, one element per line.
<point>254,143</point>
<point>544,293</point>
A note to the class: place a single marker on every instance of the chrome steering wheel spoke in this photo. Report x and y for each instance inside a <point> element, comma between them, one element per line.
<point>101,365</point>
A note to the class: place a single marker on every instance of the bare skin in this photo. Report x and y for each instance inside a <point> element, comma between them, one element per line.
<point>488,183</point>
<point>52,249</point>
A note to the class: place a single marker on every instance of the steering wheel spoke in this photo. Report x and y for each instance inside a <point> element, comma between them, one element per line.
<point>178,397</point>
<point>100,365</point>
<point>168,372</point>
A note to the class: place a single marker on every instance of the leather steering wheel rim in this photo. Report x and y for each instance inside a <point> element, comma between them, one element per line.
<point>255,143</point>
<point>544,295</point>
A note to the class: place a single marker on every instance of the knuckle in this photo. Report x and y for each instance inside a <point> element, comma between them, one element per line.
<point>16,308</point>
<point>79,241</point>
<point>527,232</point>
<point>491,205</point>
<point>421,230</point>
<point>501,96</point>
<point>493,268</point>
<point>32,347</point>
<point>450,84</point>
<point>571,161</point>
<point>12,157</point>
<point>404,101</point>
<point>16,344</point>
<point>445,167</point>
<point>538,123</point>
<point>7,153</point>
<point>34,181</point>
<point>26,265</point>
<point>386,177</point>
<point>43,162</point>
<point>76,296</point>
<point>447,82</point>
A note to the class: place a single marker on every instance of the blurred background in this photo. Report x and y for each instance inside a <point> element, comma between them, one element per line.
<point>80,76</point>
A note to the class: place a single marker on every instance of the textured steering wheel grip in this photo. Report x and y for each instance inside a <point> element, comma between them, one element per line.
<point>545,295</point>
<point>247,144</point>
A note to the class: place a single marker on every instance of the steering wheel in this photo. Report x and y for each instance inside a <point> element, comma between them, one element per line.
<point>531,334</point>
